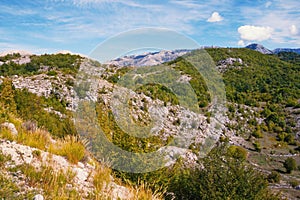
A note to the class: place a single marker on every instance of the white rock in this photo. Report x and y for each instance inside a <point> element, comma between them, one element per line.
<point>80,164</point>
<point>148,58</point>
<point>38,197</point>
<point>11,127</point>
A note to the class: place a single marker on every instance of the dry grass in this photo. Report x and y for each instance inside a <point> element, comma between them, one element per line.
<point>71,147</point>
<point>39,139</point>
<point>102,177</point>
<point>101,180</point>
<point>5,133</point>
<point>144,192</point>
<point>52,182</point>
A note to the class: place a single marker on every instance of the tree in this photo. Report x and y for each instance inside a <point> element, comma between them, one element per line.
<point>220,177</point>
<point>290,165</point>
<point>7,94</point>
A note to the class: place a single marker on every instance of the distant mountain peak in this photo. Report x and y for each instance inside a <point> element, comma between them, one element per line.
<point>148,58</point>
<point>260,48</point>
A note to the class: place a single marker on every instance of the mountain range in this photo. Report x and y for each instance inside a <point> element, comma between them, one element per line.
<point>155,58</point>
<point>260,48</point>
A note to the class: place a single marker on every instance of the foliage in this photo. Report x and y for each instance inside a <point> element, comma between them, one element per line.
<point>237,152</point>
<point>266,77</point>
<point>116,135</point>
<point>274,177</point>
<point>197,81</point>
<point>7,94</point>
<point>31,107</point>
<point>8,57</point>
<point>64,62</point>
<point>220,176</point>
<point>290,165</point>
<point>257,146</point>
<point>157,91</point>
<point>294,182</point>
<point>289,57</point>
<point>257,134</point>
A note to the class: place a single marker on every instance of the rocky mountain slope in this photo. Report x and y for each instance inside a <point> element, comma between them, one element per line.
<point>260,48</point>
<point>261,115</point>
<point>148,59</point>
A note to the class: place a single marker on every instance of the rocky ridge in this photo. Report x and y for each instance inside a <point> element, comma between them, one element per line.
<point>148,59</point>
<point>260,48</point>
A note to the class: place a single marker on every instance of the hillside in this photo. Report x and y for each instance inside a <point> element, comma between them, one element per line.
<point>257,134</point>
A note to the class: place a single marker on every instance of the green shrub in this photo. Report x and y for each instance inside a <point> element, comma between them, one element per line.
<point>257,146</point>
<point>52,73</point>
<point>237,152</point>
<point>274,177</point>
<point>257,134</point>
<point>294,183</point>
<point>290,165</point>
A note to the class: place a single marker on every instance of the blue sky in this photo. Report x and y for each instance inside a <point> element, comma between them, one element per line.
<point>47,26</point>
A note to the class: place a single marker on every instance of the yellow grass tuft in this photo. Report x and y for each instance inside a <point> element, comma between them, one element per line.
<point>71,147</point>
<point>143,191</point>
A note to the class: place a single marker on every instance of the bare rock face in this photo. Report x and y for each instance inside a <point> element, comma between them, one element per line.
<point>260,48</point>
<point>44,85</point>
<point>229,63</point>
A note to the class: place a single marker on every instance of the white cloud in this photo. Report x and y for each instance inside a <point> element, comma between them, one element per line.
<point>255,33</point>
<point>215,17</point>
<point>293,30</point>
<point>268,4</point>
<point>241,43</point>
<point>280,16</point>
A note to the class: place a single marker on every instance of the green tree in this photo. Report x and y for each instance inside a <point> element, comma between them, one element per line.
<point>220,177</point>
<point>7,94</point>
<point>290,165</point>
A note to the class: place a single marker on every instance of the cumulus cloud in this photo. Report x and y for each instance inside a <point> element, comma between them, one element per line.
<point>215,17</point>
<point>241,43</point>
<point>293,30</point>
<point>255,33</point>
